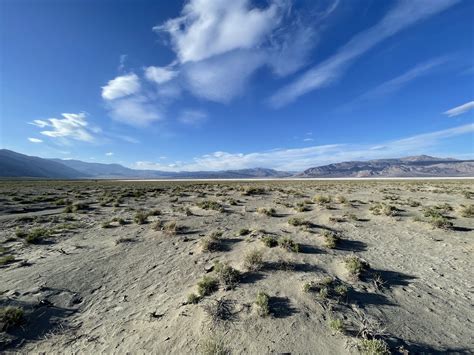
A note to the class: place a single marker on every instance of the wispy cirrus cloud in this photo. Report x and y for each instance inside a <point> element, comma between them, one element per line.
<point>395,84</point>
<point>192,117</point>
<point>459,110</point>
<point>35,140</point>
<point>71,126</point>
<point>403,15</point>
<point>301,158</point>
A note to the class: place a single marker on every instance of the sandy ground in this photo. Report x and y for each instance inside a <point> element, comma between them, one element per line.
<point>90,287</point>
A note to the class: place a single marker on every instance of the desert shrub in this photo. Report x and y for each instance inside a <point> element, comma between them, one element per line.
<point>123,240</point>
<point>140,217</point>
<point>262,303</point>
<point>210,205</point>
<point>297,222</point>
<point>7,259</point>
<point>266,211</point>
<point>288,244</point>
<point>441,223</point>
<point>251,190</point>
<point>330,239</point>
<point>35,235</point>
<point>269,241</point>
<point>243,231</point>
<point>154,212</point>
<point>341,199</point>
<point>228,276</point>
<point>213,346</point>
<point>302,207</point>
<point>322,200</point>
<point>119,220</point>
<point>207,285</point>
<point>432,212</point>
<point>11,317</point>
<point>20,233</point>
<point>212,242</point>
<point>355,265</point>
<point>467,211</point>
<point>219,310</point>
<point>193,298</point>
<point>336,325</point>
<point>253,260</point>
<point>373,347</point>
<point>79,207</point>
<point>383,209</point>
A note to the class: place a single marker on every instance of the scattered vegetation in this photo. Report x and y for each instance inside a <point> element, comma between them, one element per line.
<point>373,347</point>
<point>228,276</point>
<point>212,242</point>
<point>11,317</point>
<point>467,211</point>
<point>262,304</point>
<point>270,212</point>
<point>385,209</point>
<point>297,222</point>
<point>355,265</point>
<point>213,346</point>
<point>288,244</point>
<point>207,286</point>
<point>336,325</point>
<point>211,205</point>
<point>330,239</point>
<point>269,241</point>
<point>253,260</point>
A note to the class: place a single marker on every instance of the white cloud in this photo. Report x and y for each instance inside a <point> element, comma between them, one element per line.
<point>224,77</point>
<point>211,27</point>
<point>72,125</point>
<point>39,123</point>
<point>160,75</point>
<point>302,158</point>
<point>459,110</point>
<point>308,140</point>
<point>192,117</point>
<point>109,154</point>
<point>121,86</point>
<point>134,110</point>
<point>403,15</point>
<point>35,140</point>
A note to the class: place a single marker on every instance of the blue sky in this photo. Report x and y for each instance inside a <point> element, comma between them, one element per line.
<point>216,84</point>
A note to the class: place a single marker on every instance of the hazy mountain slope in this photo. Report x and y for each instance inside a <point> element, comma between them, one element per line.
<point>418,166</point>
<point>14,164</point>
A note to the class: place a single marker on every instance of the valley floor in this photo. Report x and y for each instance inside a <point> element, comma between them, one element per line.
<point>303,267</point>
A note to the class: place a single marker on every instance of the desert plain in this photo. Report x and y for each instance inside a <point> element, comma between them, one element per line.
<point>261,267</point>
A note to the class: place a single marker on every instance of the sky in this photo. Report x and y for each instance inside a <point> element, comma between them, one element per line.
<point>217,84</point>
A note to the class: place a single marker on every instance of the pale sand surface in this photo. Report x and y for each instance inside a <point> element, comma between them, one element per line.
<point>84,292</point>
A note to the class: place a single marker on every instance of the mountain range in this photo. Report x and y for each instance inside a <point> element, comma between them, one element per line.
<point>16,165</point>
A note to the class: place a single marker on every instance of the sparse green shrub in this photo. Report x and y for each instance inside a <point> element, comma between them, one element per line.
<point>228,276</point>
<point>288,244</point>
<point>441,223</point>
<point>383,209</point>
<point>341,199</point>
<point>7,259</point>
<point>269,241</point>
<point>193,298</point>
<point>373,347</point>
<point>250,190</point>
<point>336,325</point>
<point>213,346</point>
<point>330,239</point>
<point>266,211</point>
<point>11,317</point>
<point>140,217</point>
<point>253,260</point>
<point>207,286</point>
<point>297,222</point>
<point>263,304</point>
<point>212,242</point>
<point>355,265</point>
<point>467,211</point>
<point>322,200</point>
<point>210,205</point>
<point>243,231</point>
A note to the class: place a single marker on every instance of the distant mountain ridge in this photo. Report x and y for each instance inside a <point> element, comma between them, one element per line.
<point>16,165</point>
<point>415,166</point>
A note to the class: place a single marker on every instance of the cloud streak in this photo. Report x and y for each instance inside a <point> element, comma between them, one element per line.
<point>403,15</point>
<point>297,159</point>
<point>71,126</point>
<point>459,110</point>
